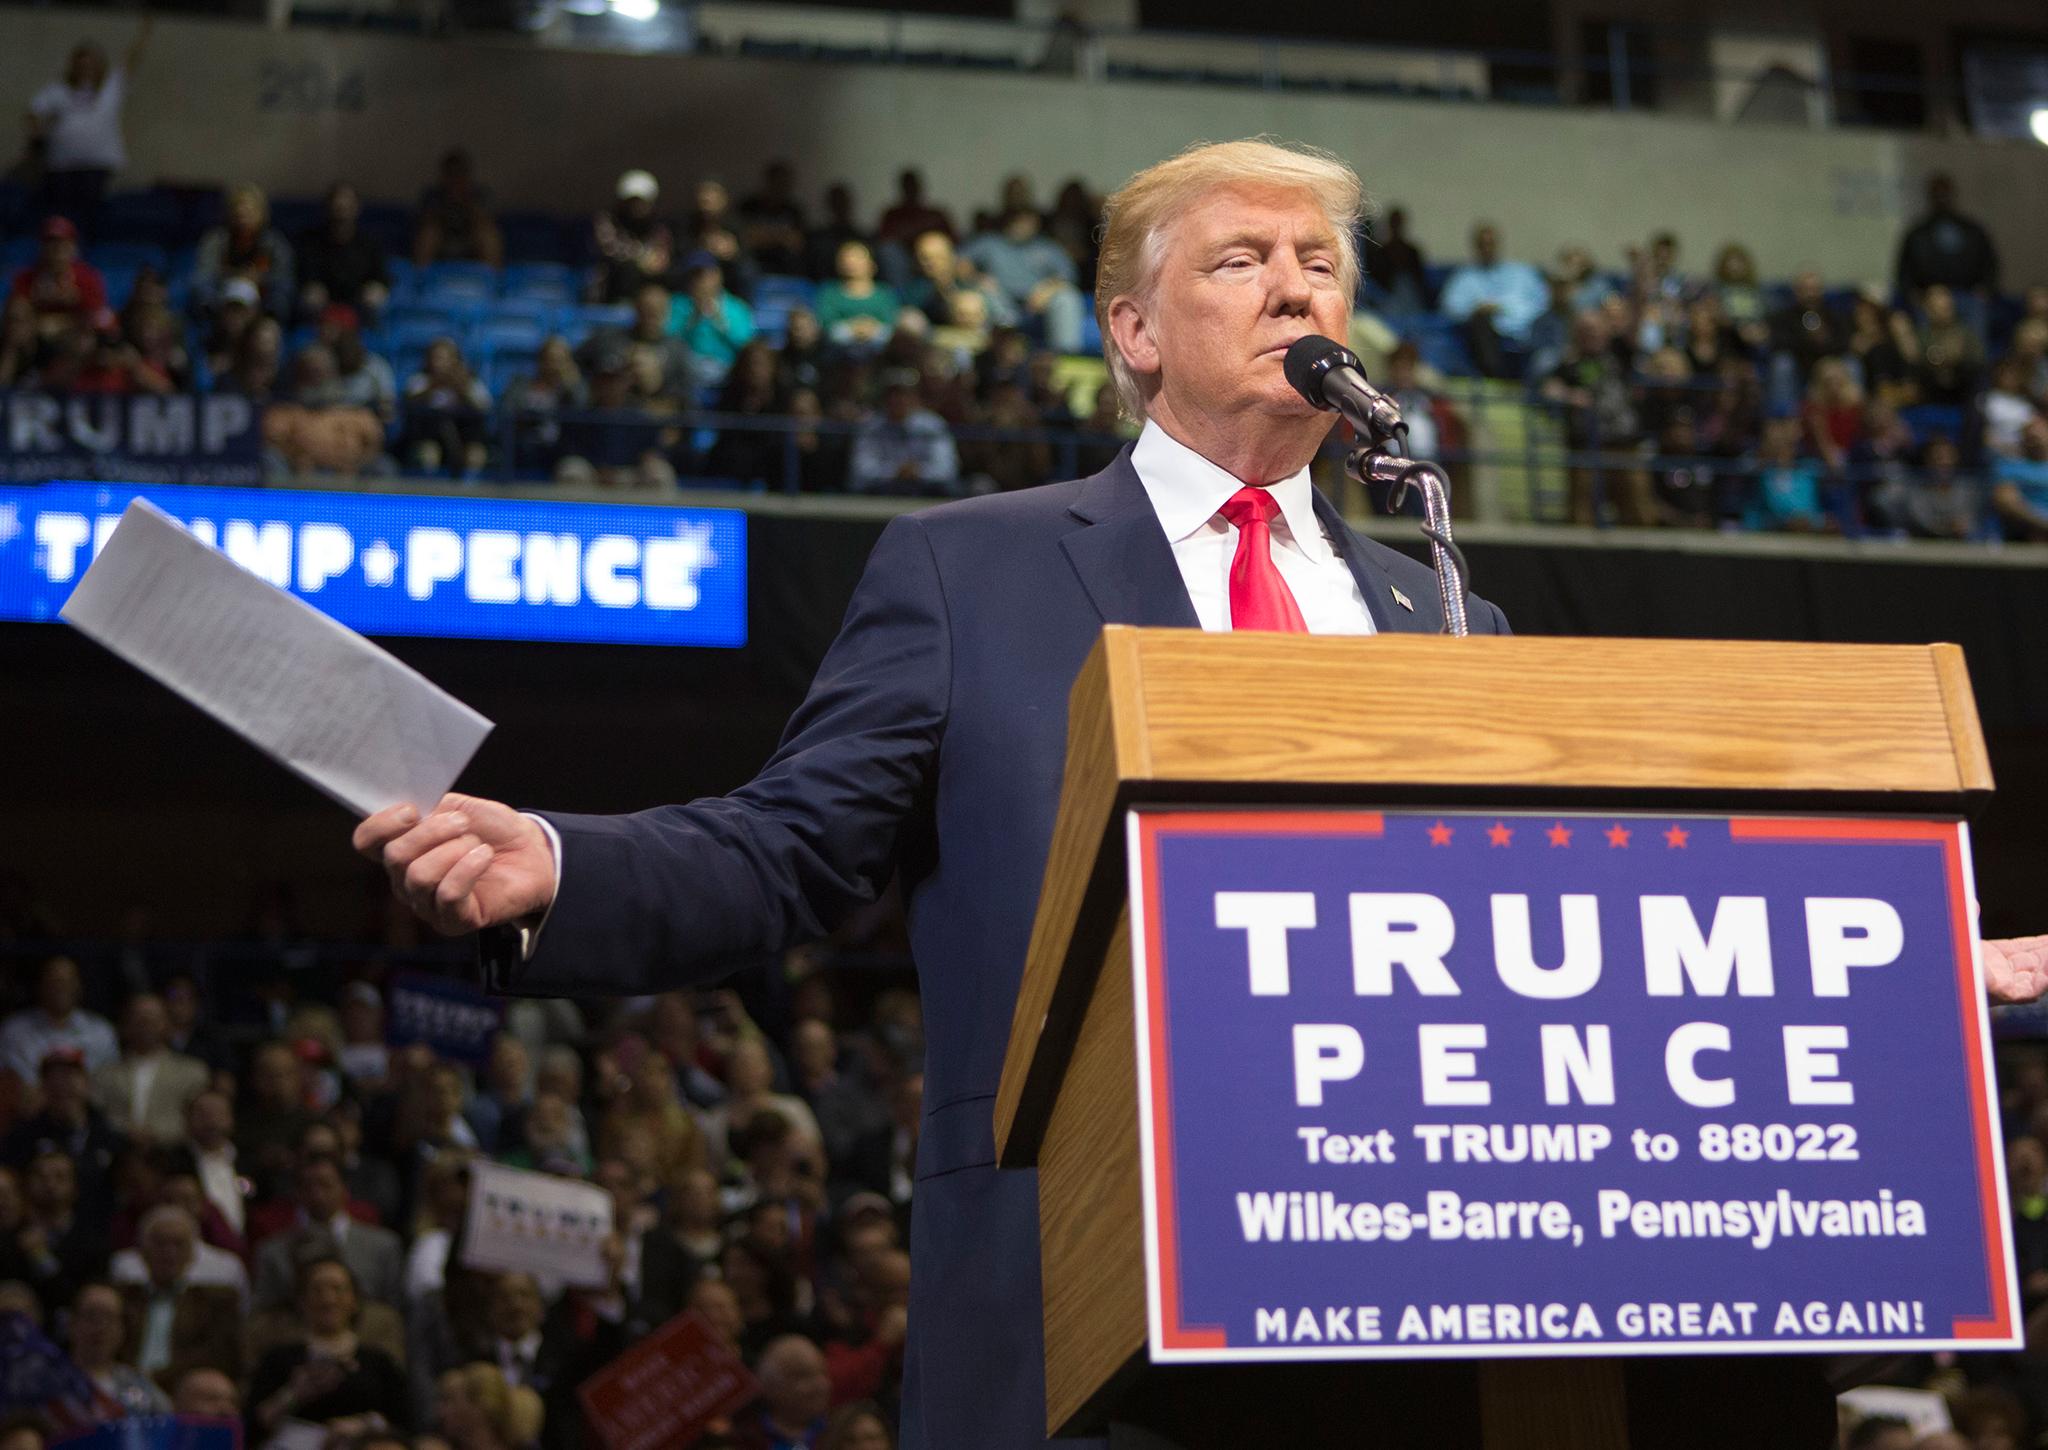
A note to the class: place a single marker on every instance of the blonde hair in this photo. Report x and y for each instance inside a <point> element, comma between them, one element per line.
<point>515,1412</point>
<point>256,194</point>
<point>1138,222</point>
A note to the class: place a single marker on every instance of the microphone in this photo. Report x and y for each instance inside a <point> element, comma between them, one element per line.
<point>1330,376</point>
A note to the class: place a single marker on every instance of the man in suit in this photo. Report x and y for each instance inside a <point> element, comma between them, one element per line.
<point>324,1226</point>
<point>933,738</point>
<point>186,1301</point>
<point>145,1090</point>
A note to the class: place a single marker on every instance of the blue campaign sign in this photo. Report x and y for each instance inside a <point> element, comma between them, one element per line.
<point>402,564</point>
<point>455,1019</point>
<point>145,438</point>
<point>1455,1085</point>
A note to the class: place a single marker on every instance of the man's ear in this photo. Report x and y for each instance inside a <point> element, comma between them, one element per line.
<point>1130,328</point>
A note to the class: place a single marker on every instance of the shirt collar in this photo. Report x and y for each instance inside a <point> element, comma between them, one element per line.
<point>1186,491</point>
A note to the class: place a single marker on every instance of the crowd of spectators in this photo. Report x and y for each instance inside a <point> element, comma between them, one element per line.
<point>930,352</point>
<point>1711,400</point>
<point>239,1193</point>
<point>263,1215</point>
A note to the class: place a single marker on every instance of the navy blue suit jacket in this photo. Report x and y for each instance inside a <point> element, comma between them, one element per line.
<point>932,743</point>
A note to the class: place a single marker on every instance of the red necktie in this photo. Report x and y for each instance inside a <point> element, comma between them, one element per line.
<point>1259,597</point>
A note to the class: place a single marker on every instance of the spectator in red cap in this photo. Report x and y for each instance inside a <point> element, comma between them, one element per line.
<point>67,1122</point>
<point>62,286</point>
<point>76,124</point>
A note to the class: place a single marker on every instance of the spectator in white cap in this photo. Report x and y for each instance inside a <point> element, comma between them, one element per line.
<point>240,306</point>
<point>634,245</point>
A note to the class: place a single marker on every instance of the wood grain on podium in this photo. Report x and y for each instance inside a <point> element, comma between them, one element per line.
<point>1090,1202</point>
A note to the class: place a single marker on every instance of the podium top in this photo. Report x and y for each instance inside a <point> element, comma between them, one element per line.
<point>1175,714</point>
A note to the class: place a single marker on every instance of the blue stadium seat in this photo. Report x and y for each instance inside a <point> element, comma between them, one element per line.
<point>505,367</point>
<point>1441,342</point>
<point>414,330</point>
<point>540,311</point>
<point>549,281</point>
<point>518,334</point>
<point>593,315</point>
<point>785,292</point>
<point>120,282</point>
<point>461,311</point>
<point>1928,419</point>
<point>1091,332</point>
<point>19,253</point>
<point>454,285</point>
<point>404,279</point>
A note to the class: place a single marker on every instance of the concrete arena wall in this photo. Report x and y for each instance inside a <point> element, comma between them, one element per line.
<point>293,109</point>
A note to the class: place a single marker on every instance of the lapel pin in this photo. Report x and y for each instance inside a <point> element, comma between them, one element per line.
<point>1401,599</point>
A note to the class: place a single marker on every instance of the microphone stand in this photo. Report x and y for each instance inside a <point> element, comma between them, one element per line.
<point>1381,462</point>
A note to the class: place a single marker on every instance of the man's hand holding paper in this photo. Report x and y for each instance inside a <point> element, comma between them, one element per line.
<point>471,863</point>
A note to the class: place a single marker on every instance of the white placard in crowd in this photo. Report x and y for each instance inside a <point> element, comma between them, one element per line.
<point>547,1226</point>
<point>1925,1412</point>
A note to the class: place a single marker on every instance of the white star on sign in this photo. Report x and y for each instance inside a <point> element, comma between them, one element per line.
<point>380,564</point>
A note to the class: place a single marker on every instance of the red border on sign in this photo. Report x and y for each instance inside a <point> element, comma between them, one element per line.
<point>1945,834</point>
<point>1151,826</point>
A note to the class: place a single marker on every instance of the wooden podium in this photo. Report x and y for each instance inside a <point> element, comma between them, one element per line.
<point>1178,717</point>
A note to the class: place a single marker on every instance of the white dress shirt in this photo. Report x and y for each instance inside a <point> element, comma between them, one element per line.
<point>1186,491</point>
<point>221,1184</point>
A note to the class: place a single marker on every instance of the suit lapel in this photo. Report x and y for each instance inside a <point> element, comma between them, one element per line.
<point>1122,557</point>
<point>1375,584</point>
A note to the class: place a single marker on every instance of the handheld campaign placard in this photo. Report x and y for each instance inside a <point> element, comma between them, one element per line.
<point>1422,1085</point>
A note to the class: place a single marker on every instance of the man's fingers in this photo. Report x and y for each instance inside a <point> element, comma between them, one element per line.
<point>452,904</point>
<point>422,840</point>
<point>386,825</point>
<point>422,879</point>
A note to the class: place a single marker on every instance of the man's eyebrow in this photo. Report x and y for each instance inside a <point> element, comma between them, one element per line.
<point>1260,241</point>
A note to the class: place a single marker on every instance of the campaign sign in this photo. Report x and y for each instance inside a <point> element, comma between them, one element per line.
<point>457,1020</point>
<point>412,564</point>
<point>668,1388</point>
<point>145,438</point>
<point>553,1228</point>
<point>1468,1086</point>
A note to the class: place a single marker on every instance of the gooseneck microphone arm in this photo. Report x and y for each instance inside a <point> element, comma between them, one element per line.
<point>1331,377</point>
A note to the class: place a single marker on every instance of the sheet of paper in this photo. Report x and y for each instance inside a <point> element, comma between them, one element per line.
<point>306,691</point>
